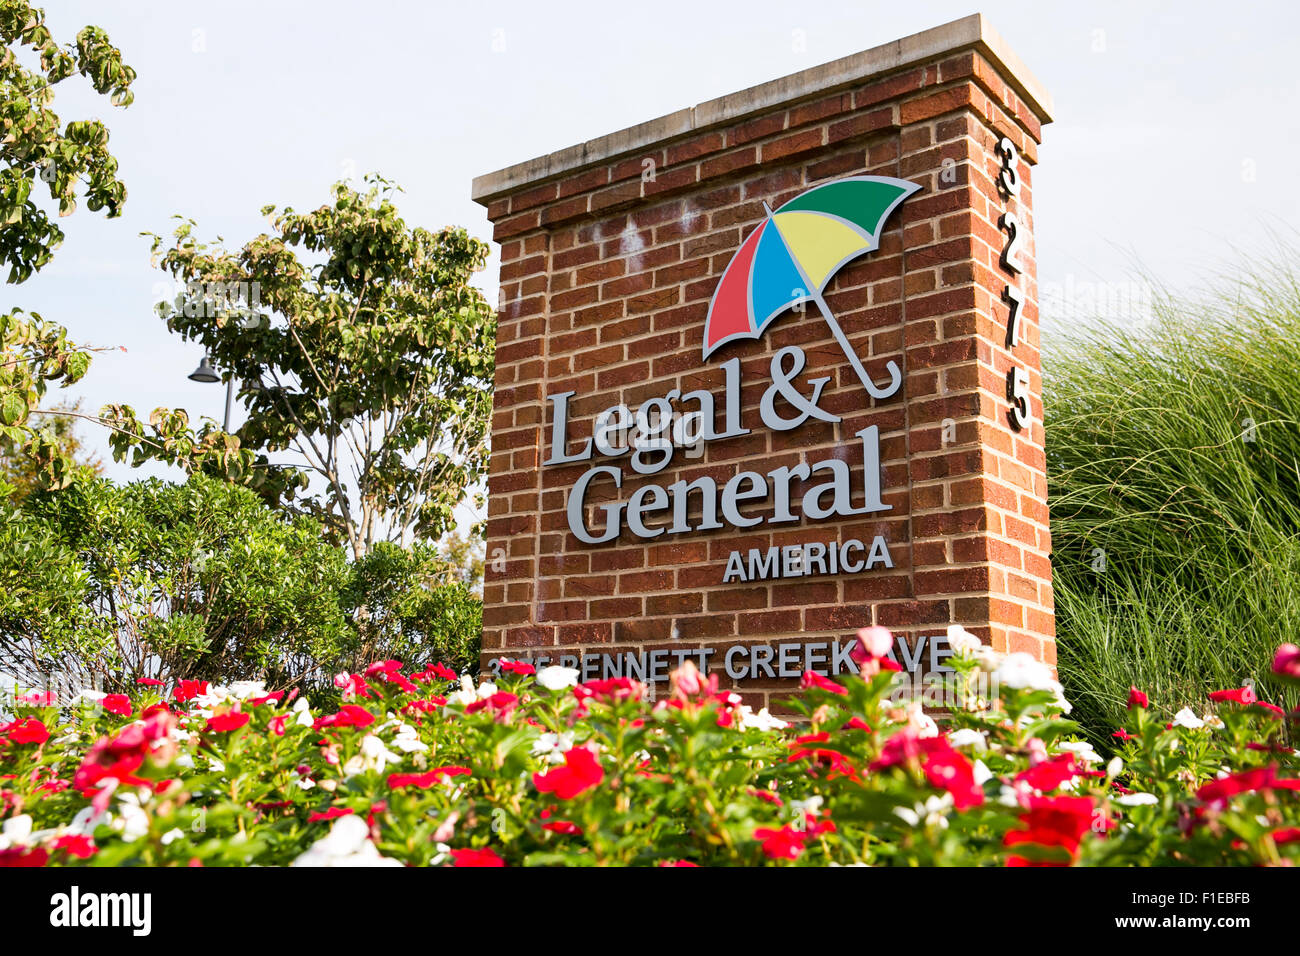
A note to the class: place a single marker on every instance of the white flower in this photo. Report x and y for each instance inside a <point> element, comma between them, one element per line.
<point>216,694</point>
<point>1137,799</point>
<point>966,737</point>
<point>1185,718</point>
<point>553,746</point>
<point>486,689</point>
<point>305,783</point>
<point>1022,671</point>
<point>1115,767</point>
<point>87,820</point>
<point>407,740</point>
<point>987,658</point>
<point>962,641</point>
<point>172,835</point>
<point>462,697</point>
<point>936,810</point>
<point>812,805</point>
<point>186,761</point>
<point>15,831</point>
<point>87,693</point>
<point>920,721</point>
<point>216,765</point>
<point>907,815</point>
<point>557,678</point>
<point>374,754</point>
<point>133,822</point>
<point>244,689</point>
<point>1213,721</point>
<point>982,773</point>
<point>761,721</point>
<point>347,844</point>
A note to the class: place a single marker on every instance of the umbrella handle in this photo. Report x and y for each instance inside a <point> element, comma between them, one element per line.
<point>874,390</point>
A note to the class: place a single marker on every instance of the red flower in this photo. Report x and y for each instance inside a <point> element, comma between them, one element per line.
<point>1216,793</point>
<point>396,781</point>
<point>1286,662</point>
<point>580,772</point>
<point>663,863</point>
<point>74,844</point>
<point>813,679</point>
<point>563,827</point>
<point>424,706</point>
<point>950,770</point>
<point>1123,734</point>
<point>1238,695</point>
<point>522,668</point>
<point>272,698</point>
<point>1286,835</point>
<point>501,703</point>
<point>29,730</point>
<point>23,856</point>
<point>1053,822</point>
<point>189,689</point>
<point>391,672</point>
<point>484,857</point>
<point>149,682</point>
<point>815,827</point>
<point>158,708</point>
<point>333,813</point>
<point>352,685</point>
<point>349,715</point>
<point>1137,699</point>
<point>434,670</point>
<point>610,691</point>
<point>119,757</point>
<point>783,844</point>
<point>905,746</point>
<point>838,763</point>
<point>39,698</point>
<point>1050,774</point>
<point>221,723</point>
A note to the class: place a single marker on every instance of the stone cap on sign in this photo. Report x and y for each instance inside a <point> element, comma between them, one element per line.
<point>969,33</point>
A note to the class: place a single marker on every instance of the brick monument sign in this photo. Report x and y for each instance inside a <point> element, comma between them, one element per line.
<point>768,372</point>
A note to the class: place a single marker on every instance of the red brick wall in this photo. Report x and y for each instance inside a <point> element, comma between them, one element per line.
<point>606,279</point>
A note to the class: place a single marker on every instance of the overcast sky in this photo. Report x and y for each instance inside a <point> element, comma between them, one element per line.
<point>1174,143</point>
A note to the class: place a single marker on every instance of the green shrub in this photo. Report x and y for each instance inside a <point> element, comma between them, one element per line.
<point>410,605</point>
<point>103,584</point>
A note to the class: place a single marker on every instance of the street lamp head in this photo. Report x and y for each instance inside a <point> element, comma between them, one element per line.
<point>205,373</point>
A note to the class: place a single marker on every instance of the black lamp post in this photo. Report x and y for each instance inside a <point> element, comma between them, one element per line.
<point>207,374</point>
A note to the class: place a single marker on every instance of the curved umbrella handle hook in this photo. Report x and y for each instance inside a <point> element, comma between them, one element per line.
<point>874,390</point>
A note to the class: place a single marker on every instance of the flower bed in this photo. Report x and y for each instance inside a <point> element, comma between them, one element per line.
<point>427,769</point>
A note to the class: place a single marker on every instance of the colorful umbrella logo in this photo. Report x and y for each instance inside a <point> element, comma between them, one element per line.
<point>792,255</point>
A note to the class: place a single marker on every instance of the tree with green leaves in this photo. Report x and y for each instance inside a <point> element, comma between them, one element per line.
<point>36,147</point>
<point>58,429</point>
<point>364,358</point>
<point>39,154</point>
